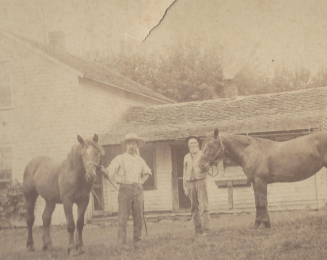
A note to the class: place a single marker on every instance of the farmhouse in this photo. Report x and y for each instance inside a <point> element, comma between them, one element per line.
<point>279,117</point>
<point>48,97</point>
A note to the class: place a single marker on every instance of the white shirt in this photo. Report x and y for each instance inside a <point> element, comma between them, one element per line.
<point>128,168</point>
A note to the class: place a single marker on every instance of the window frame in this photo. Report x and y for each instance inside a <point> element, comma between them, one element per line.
<point>11,166</point>
<point>11,106</point>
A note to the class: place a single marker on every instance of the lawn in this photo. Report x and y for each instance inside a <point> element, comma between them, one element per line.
<point>294,235</point>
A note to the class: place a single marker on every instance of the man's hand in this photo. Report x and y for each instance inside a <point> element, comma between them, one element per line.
<point>186,192</point>
<point>104,172</point>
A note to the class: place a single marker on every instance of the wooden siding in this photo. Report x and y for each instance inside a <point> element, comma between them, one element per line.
<point>50,107</point>
<point>41,121</point>
<point>100,106</point>
<point>310,193</point>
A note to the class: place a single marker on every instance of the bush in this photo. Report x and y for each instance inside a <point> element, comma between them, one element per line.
<point>12,203</point>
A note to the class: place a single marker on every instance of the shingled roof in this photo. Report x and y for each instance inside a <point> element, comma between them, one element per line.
<point>89,69</point>
<point>287,111</point>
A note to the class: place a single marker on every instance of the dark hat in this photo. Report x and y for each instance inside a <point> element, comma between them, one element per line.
<point>194,137</point>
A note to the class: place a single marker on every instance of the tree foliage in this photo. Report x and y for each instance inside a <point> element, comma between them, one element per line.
<point>189,73</point>
<point>186,74</point>
<point>250,83</point>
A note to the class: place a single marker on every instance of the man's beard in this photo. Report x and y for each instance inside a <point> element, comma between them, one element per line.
<point>194,149</point>
<point>132,150</point>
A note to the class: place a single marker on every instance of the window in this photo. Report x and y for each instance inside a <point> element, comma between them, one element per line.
<point>148,154</point>
<point>5,90</point>
<point>5,166</point>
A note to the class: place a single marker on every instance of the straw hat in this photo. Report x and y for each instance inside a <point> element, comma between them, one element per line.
<point>132,137</point>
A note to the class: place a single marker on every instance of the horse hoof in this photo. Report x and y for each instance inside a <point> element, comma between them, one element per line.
<point>80,251</point>
<point>70,248</point>
<point>30,248</point>
<point>256,224</point>
<point>267,224</point>
<point>48,246</point>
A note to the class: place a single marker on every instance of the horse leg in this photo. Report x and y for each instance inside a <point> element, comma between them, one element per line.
<point>80,224</point>
<point>31,197</point>
<point>47,214</point>
<point>262,202</point>
<point>258,209</point>
<point>68,208</point>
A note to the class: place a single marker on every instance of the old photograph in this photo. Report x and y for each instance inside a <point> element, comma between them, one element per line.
<point>163,129</point>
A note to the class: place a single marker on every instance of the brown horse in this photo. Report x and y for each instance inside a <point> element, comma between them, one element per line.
<point>265,161</point>
<point>66,182</point>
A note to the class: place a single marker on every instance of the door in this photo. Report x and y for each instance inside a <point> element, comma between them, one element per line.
<point>180,201</point>
<point>98,205</point>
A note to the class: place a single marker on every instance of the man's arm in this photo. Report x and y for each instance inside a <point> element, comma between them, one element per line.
<point>110,171</point>
<point>144,178</point>
<point>146,171</point>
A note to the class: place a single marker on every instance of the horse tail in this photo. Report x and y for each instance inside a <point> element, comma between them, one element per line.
<point>31,195</point>
<point>29,188</point>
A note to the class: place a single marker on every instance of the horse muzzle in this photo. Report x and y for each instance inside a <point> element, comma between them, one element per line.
<point>90,177</point>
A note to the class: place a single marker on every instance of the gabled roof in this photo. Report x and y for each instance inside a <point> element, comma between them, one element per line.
<point>287,111</point>
<point>89,69</point>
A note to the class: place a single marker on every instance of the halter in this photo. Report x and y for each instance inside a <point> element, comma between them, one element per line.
<point>214,161</point>
<point>95,164</point>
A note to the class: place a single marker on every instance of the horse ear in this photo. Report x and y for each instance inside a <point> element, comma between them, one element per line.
<point>95,138</point>
<point>80,140</point>
<point>215,133</point>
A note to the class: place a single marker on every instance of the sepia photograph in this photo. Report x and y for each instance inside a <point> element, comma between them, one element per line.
<point>163,129</point>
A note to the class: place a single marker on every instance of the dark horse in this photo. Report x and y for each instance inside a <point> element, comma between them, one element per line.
<point>66,182</point>
<point>265,161</point>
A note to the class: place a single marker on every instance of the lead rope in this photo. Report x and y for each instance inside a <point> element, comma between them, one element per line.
<point>146,229</point>
<point>106,176</point>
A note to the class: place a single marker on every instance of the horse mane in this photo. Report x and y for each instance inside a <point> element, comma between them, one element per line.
<point>96,146</point>
<point>71,157</point>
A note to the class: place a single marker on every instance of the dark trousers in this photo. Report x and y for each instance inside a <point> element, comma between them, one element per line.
<point>130,197</point>
<point>199,205</point>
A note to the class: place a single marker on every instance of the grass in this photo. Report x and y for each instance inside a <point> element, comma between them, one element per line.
<point>294,235</point>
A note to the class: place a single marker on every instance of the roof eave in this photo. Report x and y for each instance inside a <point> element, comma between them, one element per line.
<point>43,54</point>
<point>134,92</point>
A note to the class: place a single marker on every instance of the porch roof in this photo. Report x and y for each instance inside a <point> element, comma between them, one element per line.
<point>286,111</point>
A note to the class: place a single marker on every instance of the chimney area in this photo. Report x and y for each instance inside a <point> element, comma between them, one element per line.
<point>57,39</point>
<point>230,89</point>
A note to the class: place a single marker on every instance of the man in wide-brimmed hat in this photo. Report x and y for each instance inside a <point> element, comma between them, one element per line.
<point>195,187</point>
<point>130,171</point>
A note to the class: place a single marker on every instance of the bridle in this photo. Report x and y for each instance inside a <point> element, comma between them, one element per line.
<point>215,160</point>
<point>95,164</point>
<point>100,167</point>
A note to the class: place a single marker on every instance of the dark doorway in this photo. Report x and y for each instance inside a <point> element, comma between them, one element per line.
<point>180,201</point>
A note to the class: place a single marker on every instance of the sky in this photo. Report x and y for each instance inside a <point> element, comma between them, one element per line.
<point>262,33</point>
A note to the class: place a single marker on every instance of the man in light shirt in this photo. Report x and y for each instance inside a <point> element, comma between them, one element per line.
<point>130,171</point>
<point>195,187</point>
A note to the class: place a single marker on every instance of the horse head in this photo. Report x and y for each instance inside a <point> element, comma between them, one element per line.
<point>90,152</point>
<point>212,151</point>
